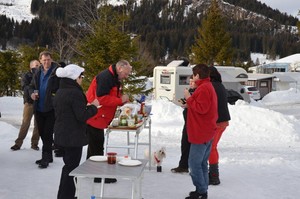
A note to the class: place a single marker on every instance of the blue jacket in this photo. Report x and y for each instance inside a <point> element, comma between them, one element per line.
<point>45,102</point>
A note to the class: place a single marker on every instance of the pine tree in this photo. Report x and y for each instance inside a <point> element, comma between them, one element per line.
<point>108,44</point>
<point>213,42</point>
<point>36,5</point>
<point>9,78</point>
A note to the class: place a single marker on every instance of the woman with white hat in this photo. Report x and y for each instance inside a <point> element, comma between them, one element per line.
<point>71,113</point>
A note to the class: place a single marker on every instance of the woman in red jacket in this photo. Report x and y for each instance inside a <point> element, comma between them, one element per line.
<point>201,128</point>
<point>222,123</point>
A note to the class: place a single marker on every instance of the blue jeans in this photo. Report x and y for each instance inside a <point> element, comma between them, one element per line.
<point>198,158</point>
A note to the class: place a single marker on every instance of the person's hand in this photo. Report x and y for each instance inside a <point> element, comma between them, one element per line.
<point>95,103</point>
<point>34,96</point>
<point>186,93</point>
<point>125,98</point>
<point>183,105</point>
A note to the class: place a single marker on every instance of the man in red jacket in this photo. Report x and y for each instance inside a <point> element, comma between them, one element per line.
<point>201,128</point>
<point>106,87</point>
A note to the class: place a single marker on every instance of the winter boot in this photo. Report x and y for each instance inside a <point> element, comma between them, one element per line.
<point>196,195</point>
<point>46,158</point>
<point>214,174</point>
<point>50,158</point>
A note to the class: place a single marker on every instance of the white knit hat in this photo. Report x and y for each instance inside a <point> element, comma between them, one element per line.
<point>71,71</point>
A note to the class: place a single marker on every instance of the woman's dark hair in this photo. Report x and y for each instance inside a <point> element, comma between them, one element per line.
<point>202,70</point>
<point>214,74</point>
<point>62,64</point>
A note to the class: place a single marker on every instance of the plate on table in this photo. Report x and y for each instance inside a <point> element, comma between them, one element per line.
<point>130,163</point>
<point>98,158</point>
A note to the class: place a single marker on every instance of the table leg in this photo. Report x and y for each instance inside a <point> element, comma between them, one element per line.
<point>102,187</point>
<point>135,189</point>
<point>149,133</point>
<point>106,141</point>
<point>76,186</point>
<point>136,141</point>
<point>128,143</point>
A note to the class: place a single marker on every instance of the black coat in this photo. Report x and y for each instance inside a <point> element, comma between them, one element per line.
<point>221,92</point>
<point>71,113</point>
<point>25,84</point>
<point>52,86</point>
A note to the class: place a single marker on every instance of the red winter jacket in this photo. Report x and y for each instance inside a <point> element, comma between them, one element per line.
<point>107,89</point>
<point>203,113</point>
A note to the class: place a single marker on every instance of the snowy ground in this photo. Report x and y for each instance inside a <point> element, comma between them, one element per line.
<point>259,154</point>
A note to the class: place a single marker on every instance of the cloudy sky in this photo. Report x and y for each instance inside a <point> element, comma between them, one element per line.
<point>291,7</point>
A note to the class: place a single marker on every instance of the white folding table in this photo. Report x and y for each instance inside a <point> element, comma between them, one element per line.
<point>92,169</point>
<point>146,124</point>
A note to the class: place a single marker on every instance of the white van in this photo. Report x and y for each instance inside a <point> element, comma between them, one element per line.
<point>170,81</point>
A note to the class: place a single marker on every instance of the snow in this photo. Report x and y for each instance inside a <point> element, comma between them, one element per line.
<point>20,9</point>
<point>259,154</point>
<point>17,9</point>
<point>260,58</point>
<point>289,59</point>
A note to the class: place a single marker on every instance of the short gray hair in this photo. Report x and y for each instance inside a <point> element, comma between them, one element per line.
<point>123,63</point>
<point>45,53</point>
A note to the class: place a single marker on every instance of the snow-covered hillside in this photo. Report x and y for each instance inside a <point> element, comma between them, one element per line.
<point>20,9</point>
<point>17,9</point>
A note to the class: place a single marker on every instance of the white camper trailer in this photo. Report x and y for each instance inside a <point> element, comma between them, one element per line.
<point>170,81</point>
<point>234,78</point>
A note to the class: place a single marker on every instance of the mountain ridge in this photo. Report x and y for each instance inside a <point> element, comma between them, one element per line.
<point>264,31</point>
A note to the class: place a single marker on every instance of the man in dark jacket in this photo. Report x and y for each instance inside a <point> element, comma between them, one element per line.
<point>43,88</point>
<point>183,166</point>
<point>27,111</point>
<point>71,113</point>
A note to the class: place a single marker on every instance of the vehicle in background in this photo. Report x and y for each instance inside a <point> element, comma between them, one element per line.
<point>170,81</point>
<point>252,91</point>
<point>233,96</point>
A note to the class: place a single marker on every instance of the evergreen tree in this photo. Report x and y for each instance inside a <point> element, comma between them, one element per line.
<point>106,45</point>
<point>213,43</point>
<point>28,53</point>
<point>9,77</point>
<point>36,5</point>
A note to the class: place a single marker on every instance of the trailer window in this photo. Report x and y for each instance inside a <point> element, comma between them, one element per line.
<point>184,79</point>
<point>165,79</point>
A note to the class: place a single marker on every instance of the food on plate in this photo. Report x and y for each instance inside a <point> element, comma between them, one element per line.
<point>127,111</point>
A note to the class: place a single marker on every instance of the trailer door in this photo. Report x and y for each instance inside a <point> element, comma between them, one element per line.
<point>164,84</point>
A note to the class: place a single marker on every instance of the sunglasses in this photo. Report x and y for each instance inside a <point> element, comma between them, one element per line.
<point>81,75</point>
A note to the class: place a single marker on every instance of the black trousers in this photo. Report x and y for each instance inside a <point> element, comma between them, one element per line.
<point>185,149</point>
<point>96,141</point>
<point>71,159</point>
<point>45,122</point>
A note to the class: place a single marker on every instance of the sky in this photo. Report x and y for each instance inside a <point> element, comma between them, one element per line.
<point>291,7</point>
<point>259,154</point>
